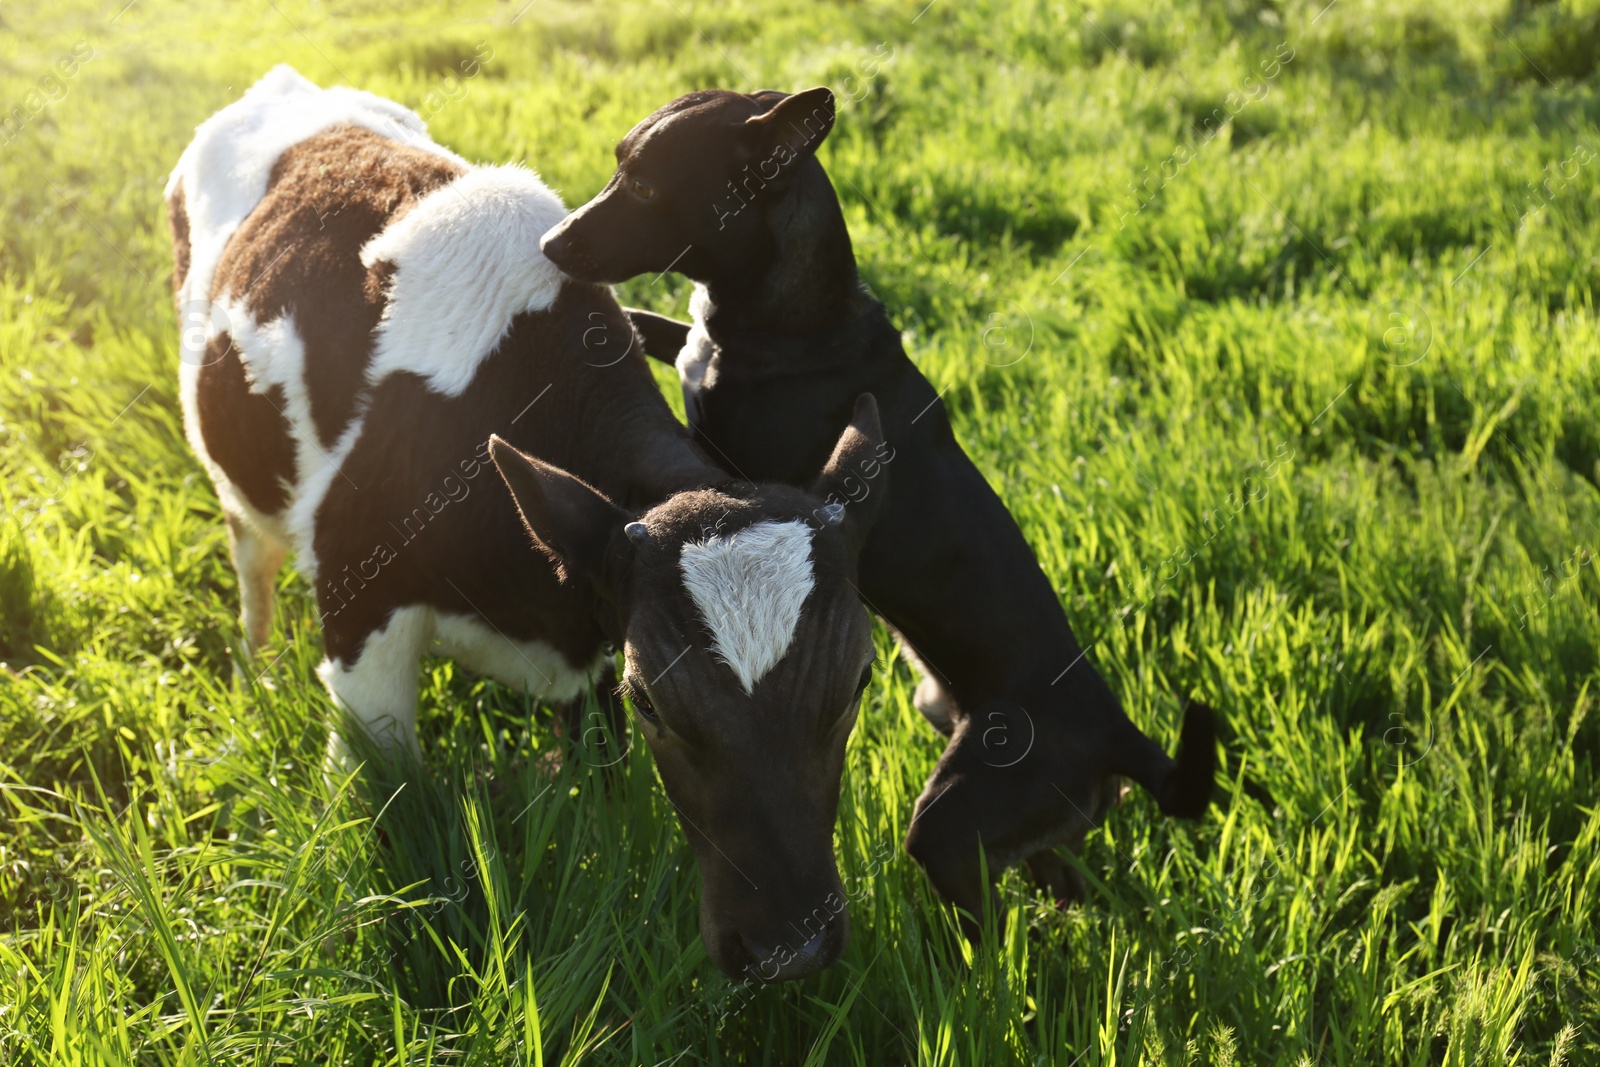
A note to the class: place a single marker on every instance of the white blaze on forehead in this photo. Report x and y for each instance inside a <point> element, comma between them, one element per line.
<point>749,587</point>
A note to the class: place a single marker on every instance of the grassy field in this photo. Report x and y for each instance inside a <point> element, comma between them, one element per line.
<point>1274,324</point>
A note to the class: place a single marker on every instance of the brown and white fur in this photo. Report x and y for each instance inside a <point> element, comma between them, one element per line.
<point>361,311</point>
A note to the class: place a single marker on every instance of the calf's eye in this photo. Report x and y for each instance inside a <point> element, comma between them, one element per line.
<point>642,190</point>
<point>641,704</point>
<point>866,680</point>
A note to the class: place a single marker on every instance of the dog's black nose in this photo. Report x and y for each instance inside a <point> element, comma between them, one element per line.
<point>555,245</point>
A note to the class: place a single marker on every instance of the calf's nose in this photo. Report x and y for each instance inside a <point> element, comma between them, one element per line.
<point>787,961</point>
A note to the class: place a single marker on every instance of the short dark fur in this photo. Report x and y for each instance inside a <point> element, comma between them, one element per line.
<point>727,187</point>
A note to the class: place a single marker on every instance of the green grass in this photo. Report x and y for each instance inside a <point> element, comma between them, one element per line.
<point>1303,418</point>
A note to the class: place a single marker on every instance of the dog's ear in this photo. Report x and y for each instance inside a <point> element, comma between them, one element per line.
<point>789,132</point>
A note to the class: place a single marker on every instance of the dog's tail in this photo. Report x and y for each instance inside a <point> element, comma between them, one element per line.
<point>1182,786</point>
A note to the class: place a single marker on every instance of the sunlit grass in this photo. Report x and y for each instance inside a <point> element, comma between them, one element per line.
<point>1308,426</point>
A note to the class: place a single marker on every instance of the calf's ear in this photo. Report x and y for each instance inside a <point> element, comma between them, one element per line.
<point>855,479</point>
<point>789,133</point>
<point>570,522</point>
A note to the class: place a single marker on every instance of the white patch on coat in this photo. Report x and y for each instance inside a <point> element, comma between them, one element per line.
<point>273,354</point>
<point>749,588</point>
<point>225,169</point>
<point>379,689</point>
<point>532,667</point>
<point>301,521</point>
<point>695,356</point>
<point>467,261</point>
<point>234,502</point>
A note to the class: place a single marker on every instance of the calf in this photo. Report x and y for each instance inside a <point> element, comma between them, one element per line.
<point>362,311</point>
<point>725,188</point>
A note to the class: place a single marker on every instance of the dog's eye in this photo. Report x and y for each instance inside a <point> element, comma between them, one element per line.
<point>643,190</point>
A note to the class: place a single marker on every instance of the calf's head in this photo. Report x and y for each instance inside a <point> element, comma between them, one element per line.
<point>691,186</point>
<point>747,650</point>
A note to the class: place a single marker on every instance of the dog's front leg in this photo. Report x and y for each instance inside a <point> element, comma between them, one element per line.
<point>997,804</point>
<point>663,337</point>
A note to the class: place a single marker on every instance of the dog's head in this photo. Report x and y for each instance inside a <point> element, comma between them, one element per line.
<point>691,184</point>
<point>747,651</point>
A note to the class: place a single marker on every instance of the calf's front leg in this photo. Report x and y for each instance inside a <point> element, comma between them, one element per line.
<point>377,688</point>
